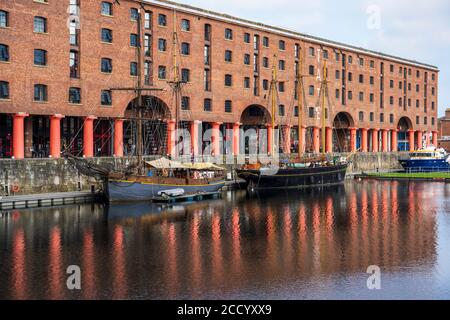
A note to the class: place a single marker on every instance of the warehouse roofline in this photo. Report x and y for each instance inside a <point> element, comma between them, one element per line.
<point>285,32</point>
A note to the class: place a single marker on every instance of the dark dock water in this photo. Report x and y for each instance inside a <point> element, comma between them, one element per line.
<point>297,245</point>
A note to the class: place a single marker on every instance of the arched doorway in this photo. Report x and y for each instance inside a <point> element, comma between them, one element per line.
<point>404,125</point>
<point>341,135</point>
<point>254,118</point>
<point>155,114</point>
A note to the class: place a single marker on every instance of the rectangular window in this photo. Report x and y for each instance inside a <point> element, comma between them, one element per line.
<point>361,96</point>
<point>391,118</point>
<point>361,62</point>
<point>40,57</point>
<point>228,34</point>
<point>281,86</point>
<point>207,55</point>
<point>246,59</point>
<point>281,110</point>
<point>325,54</point>
<point>207,105</point>
<point>372,97</point>
<point>148,75</point>
<point>107,9</point>
<point>311,70</point>
<point>228,106</point>
<point>40,24</point>
<point>74,64</point>
<point>350,59</point>
<point>247,37</point>
<point>247,83</point>
<point>185,25</point>
<point>372,64</point>
<point>207,79</point>
<point>361,116</point>
<point>4,90</point>
<point>311,90</point>
<point>162,45</point>
<point>107,35</point>
<point>40,92</point>
<point>372,80</point>
<point>134,14</point>
<point>185,75</point>
<point>266,84</point>
<point>134,40</point>
<point>265,42</point>
<point>185,48</point>
<point>162,72</point>
<point>311,112</point>
<point>75,95</point>
<point>361,78</point>
<point>265,62</point>
<point>282,65</point>
<point>133,69</point>
<point>337,75</point>
<point>282,45</point>
<point>228,56</point>
<point>228,80</point>
<point>106,98</point>
<point>4,23</point>
<point>185,103</point>
<point>350,77</point>
<point>4,52</point>
<point>207,32</point>
<point>106,65</point>
<point>312,52</point>
<point>350,95</point>
<point>162,20</point>
<point>148,20</point>
<point>147,45</point>
<point>338,94</point>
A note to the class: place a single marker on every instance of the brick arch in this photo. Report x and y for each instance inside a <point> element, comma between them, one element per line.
<point>255,114</point>
<point>343,120</point>
<point>405,124</point>
<point>153,108</point>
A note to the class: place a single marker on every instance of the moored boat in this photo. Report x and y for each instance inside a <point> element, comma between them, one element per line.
<point>430,159</point>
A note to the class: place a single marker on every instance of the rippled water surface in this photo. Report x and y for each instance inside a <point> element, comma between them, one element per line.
<point>297,245</point>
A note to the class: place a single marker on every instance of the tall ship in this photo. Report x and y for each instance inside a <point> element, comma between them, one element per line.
<point>303,172</point>
<point>144,180</point>
<point>430,159</point>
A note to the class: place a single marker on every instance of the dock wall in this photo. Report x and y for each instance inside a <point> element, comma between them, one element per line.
<point>32,176</point>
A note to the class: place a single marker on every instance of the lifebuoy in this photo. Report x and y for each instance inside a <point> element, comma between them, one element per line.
<point>15,188</point>
<point>165,172</point>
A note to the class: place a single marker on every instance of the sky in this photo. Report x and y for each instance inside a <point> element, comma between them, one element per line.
<point>413,29</point>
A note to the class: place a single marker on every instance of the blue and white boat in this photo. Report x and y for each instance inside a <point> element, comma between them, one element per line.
<point>427,160</point>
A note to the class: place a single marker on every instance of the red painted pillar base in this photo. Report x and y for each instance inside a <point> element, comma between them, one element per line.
<point>364,140</point>
<point>195,144</point>
<point>329,139</point>
<point>216,138</point>
<point>375,147</point>
<point>419,140</point>
<point>435,138</point>
<point>171,138</point>
<point>236,138</point>
<point>316,139</point>
<point>88,137</point>
<point>394,140</point>
<point>384,140</point>
<point>352,139</point>
<point>55,136</point>
<point>412,146</point>
<point>18,135</point>
<point>118,138</point>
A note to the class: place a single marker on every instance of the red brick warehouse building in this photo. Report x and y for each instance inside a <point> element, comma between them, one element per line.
<point>56,81</point>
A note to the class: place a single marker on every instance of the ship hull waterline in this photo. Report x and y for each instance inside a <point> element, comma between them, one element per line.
<point>130,191</point>
<point>294,178</point>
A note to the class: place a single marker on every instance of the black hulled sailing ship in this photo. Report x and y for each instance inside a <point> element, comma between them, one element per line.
<point>316,171</point>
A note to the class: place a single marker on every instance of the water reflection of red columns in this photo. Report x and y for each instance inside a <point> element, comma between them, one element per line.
<point>236,234</point>
<point>271,234</point>
<point>316,235</point>
<point>385,220</point>
<point>364,209</point>
<point>196,269</point>
<point>287,239</point>
<point>119,264</point>
<point>217,259</point>
<point>55,136</point>
<point>88,270</point>
<point>55,266</point>
<point>302,233</point>
<point>18,266</point>
<point>354,225</point>
<point>394,220</point>
<point>375,225</point>
<point>172,275</point>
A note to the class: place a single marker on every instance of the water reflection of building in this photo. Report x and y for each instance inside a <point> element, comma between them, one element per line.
<point>222,246</point>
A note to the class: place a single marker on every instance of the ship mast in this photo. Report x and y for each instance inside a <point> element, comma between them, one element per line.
<point>299,78</point>
<point>324,91</point>
<point>139,138</point>
<point>274,101</point>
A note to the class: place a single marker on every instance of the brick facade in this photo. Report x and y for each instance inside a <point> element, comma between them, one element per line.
<point>22,75</point>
